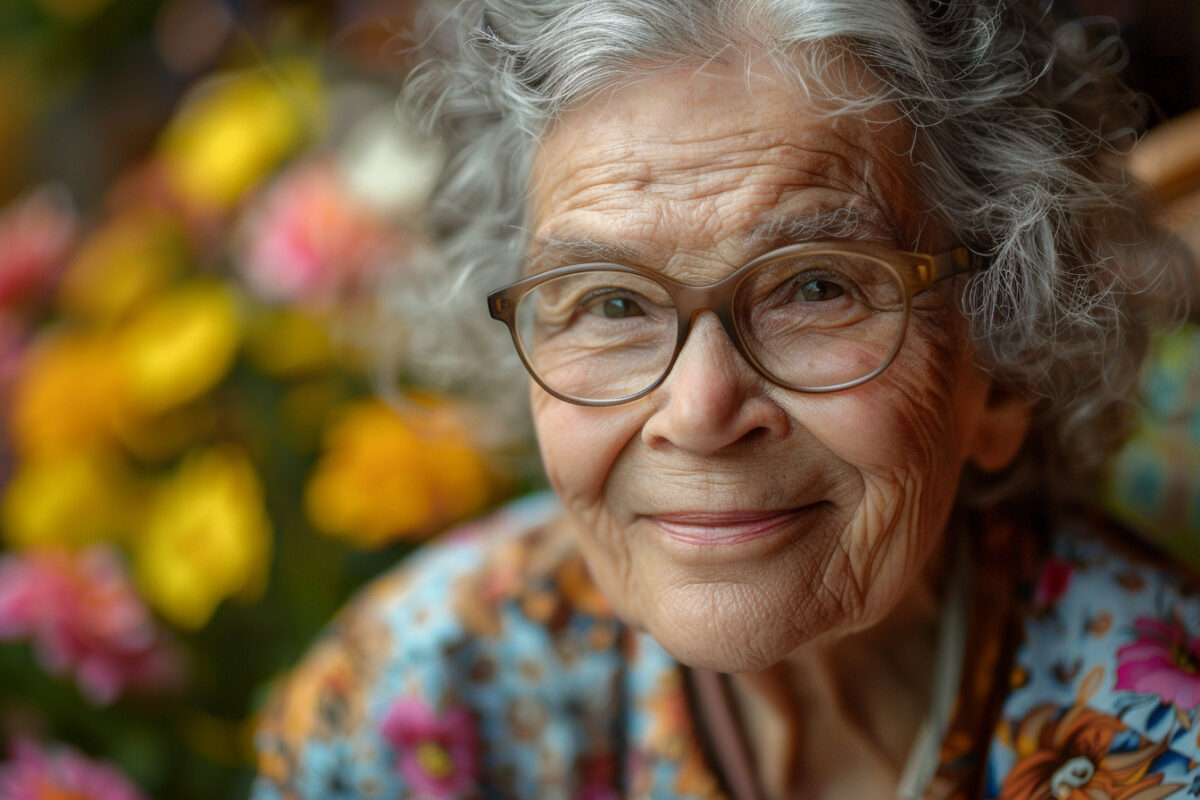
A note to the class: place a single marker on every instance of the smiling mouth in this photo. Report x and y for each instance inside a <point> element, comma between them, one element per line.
<point>724,528</point>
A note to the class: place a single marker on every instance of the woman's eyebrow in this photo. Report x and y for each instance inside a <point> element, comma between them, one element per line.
<point>550,252</point>
<point>843,222</point>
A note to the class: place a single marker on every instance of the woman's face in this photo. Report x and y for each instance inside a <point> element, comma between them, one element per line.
<point>732,519</point>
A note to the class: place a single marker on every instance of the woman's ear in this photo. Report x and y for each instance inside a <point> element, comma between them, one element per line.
<point>1000,430</point>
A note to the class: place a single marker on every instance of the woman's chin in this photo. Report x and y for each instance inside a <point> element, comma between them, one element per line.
<point>718,633</point>
<point>729,655</point>
<point>725,660</point>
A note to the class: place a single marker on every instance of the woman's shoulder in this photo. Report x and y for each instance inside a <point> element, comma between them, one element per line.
<point>1106,670</point>
<point>1099,583</point>
<point>494,631</point>
<point>515,566</point>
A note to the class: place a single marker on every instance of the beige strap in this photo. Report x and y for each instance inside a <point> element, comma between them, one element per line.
<point>720,723</point>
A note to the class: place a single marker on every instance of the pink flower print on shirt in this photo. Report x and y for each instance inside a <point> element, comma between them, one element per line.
<point>437,753</point>
<point>1164,661</point>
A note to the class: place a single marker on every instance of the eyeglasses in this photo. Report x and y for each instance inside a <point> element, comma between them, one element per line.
<point>813,317</point>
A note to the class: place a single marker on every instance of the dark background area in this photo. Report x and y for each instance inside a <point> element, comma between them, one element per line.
<point>1163,37</point>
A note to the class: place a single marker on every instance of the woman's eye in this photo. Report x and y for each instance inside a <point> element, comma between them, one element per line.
<point>817,290</point>
<point>616,308</point>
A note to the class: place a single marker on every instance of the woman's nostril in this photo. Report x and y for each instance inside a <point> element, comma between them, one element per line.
<point>755,435</point>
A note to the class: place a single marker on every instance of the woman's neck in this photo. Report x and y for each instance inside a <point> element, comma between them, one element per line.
<point>838,718</point>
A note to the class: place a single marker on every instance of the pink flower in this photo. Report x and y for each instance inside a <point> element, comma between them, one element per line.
<point>35,234</point>
<point>307,240</point>
<point>83,616</point>
<point>1164,661</point>
<point>438,754</point>
<point>1052,583</point>
<point>33,773</point>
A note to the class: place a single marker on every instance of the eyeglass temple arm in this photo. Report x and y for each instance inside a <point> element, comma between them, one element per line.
<point>950,263</point>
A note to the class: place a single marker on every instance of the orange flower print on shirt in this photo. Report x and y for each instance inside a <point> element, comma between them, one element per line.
<point>1066,756</point>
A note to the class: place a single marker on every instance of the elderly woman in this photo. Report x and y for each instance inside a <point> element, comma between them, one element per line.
<point>831,312</point>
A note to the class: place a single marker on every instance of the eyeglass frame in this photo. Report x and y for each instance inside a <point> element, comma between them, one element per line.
<point>916,271</point>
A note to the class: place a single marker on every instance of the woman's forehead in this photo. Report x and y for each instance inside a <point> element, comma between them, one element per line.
<point>717,159</point>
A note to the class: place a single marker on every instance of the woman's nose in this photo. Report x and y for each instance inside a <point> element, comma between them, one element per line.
<point>713,397</point>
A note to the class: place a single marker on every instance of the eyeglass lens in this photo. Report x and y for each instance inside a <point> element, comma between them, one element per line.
<point>810,321</point>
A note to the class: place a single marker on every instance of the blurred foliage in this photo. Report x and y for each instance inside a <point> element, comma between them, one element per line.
<point>194,195</point>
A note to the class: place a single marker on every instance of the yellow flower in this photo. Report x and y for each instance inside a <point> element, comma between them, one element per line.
<point>179,346</point>
<point>235,131</point>
<point>66,396</point>
<point>386,477</point>
<point>69,499</point>
<point>207,537</point>
<point>121,265</point>
<point>87,388</point>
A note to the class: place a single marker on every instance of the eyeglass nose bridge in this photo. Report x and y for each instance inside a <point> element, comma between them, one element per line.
<point>716,298</point>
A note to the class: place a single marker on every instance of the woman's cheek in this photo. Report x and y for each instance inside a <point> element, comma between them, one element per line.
<point>903,424</point>
<point>884,433</point>
<point>579,446</point>
<point>900,433</point>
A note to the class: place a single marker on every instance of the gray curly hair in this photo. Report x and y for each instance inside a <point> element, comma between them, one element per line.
<point>1020,124</point>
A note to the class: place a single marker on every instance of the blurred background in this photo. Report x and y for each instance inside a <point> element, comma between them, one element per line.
<point>196,197</point>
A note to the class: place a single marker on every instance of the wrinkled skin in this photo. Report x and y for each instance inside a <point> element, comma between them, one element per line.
<point>680,170</point>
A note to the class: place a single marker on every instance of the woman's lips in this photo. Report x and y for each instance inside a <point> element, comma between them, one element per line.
<point>724,527</point>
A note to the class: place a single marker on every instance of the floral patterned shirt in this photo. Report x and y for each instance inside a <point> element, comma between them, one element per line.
<point>489,665</point>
